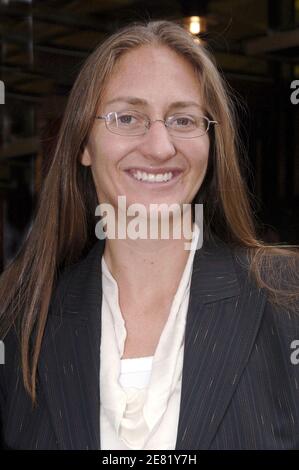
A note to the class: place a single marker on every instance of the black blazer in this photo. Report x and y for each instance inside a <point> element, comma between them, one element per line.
<point>240,389</point>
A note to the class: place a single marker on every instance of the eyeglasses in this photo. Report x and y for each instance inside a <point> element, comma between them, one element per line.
<point>134,123</point>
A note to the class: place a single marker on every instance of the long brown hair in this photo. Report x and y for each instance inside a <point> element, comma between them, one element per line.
<point>63,229</point>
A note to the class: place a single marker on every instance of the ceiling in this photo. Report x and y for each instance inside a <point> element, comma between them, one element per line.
<point>44,42</point>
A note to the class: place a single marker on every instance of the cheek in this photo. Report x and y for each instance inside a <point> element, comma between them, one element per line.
<point>199,156</point>
<point>109,152</point>
<point>106,155</point>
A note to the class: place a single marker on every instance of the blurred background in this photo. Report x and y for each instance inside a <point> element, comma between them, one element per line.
<point>256,45</point>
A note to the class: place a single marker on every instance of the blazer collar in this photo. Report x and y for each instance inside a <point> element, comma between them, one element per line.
<point>223,317</point>
<point>70,356</point>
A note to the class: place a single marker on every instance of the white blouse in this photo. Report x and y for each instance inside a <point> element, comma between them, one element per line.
<point>140,397</point>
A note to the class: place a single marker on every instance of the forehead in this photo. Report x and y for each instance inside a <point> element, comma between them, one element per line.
<point>155,74</point>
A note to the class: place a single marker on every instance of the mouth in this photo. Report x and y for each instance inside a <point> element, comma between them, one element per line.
<point>154,176</point>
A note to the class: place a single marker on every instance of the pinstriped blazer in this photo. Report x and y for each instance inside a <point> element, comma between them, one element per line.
<point>240,389</point>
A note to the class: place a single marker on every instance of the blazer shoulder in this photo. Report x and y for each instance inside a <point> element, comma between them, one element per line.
<point>74,277</point>
<point>276,273</point>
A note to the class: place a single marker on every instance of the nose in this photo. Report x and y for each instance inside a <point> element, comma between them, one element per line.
<point>157,143</point>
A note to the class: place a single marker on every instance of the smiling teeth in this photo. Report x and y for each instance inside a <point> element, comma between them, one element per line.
<point>151,178</point>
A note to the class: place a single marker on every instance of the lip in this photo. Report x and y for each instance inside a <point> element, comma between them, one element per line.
<point>156,170</point>
<point>177,172</point>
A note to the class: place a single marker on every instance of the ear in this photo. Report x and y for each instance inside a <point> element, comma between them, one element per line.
<point>85,157</point>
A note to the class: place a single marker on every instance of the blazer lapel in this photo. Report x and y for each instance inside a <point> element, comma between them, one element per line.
<point>223,318</point>
<point>224,314</point>
<point>70,356</point>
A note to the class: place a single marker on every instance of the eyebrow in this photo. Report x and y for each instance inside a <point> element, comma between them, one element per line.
<point>139,101</point>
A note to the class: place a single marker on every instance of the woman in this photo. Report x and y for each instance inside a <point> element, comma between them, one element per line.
<point>139,343</point>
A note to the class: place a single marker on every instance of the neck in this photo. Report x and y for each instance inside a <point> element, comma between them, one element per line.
<point>150,267</point>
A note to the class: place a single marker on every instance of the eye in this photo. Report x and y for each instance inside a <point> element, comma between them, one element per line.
<point>185,121</point>
<point>127,119</point>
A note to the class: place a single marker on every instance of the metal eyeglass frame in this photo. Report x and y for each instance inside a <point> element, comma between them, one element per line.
<point>106,117</point>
